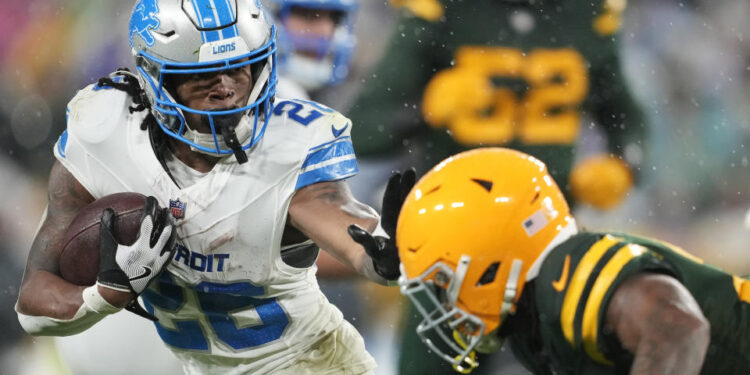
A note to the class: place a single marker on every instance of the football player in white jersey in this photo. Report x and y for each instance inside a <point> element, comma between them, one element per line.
<point>254,186</point>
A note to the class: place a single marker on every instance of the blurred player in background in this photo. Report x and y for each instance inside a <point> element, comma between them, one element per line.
<point>531,75</point>
<point>316,42</point>
<point>254,184</point>
<point>490,252</point>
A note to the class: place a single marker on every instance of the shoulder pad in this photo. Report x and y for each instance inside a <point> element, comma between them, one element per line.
<point>288,88</point>
<point>95,112</point>
<point>330,154</point>
<point>93,138</point>
<point>322,124</point>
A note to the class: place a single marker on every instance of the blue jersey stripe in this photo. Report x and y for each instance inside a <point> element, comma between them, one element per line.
<point>62,142</point>
<point>239,289</point>
<point>335,150</point>
<point>317,105</point>
<point>333,172</point>
<point>324,145</point>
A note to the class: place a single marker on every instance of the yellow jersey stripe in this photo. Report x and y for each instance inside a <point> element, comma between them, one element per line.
<point>594,303</point>
<point>578,282</point>
<point>680,251</point>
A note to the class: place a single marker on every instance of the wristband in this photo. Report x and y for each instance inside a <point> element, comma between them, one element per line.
<point>96,303</point>
<point>93,309</point>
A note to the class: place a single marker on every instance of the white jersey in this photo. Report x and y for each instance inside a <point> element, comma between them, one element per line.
<point>228,303</point>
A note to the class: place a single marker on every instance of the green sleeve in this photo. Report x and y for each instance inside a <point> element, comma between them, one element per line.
<point>388,108</point>
<point>616,111</point>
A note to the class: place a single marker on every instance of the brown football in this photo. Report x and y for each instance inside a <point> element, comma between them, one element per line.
<point>79,259</point>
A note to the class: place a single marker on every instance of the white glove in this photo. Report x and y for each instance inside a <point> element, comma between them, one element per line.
<point>131,268</point>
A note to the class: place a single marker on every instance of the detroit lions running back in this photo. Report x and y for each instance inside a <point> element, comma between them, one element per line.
<point>254,184</point>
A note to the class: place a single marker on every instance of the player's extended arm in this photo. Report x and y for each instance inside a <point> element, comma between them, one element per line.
<point>323,211</point>
<point>658,320</point>
<point>330,216</point>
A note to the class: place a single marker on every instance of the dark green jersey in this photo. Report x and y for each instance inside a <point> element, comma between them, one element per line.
<point>569,298</point>
<point>491,72</point>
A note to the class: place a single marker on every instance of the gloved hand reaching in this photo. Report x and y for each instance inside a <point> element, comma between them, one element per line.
<point>382,248</point>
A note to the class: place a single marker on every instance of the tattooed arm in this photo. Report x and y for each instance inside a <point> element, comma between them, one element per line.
<point>323,211</point>
<point>658,320</point>
<point>43,292</point>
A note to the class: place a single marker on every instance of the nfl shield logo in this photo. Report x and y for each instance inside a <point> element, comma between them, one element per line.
<point>177,208</point>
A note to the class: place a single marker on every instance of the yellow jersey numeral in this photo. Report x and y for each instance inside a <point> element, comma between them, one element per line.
<point>465,100</point>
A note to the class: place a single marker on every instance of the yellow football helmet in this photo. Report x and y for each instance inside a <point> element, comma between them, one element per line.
<point>469,235</point>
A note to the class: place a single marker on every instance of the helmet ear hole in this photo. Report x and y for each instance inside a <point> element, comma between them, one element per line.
<point>166,34</point>
<point>489,274</point>
<point>536,196</point>
<point>436,188</point>
<point>486,185</point>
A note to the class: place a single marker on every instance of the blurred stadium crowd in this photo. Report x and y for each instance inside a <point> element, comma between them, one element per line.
<point>687,62</point>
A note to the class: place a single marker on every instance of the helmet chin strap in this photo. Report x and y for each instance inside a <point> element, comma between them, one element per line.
<point>511,288</point>
<point>234,132</point>
<point>455,286</point>
<point>232,136</point>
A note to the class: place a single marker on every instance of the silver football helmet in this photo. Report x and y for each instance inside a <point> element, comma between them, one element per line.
<point>185,37</point>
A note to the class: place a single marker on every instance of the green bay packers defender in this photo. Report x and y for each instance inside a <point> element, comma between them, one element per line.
<point>528,75</point>
<point>490,252</point>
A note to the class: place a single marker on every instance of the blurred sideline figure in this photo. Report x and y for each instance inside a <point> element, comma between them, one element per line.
<point>445,85</point>
<point>530,75</point>
<point>490,252</point>
<point>17,223</point>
